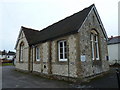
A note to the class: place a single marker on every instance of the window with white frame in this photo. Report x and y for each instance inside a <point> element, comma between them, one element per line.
<point>94,45</point>
<point>21,51</point>
<point>37,53</point>
<point>62,50</point>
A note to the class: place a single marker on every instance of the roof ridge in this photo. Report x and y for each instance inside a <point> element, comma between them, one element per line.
<point>26,28</point>
<point>114,37</point>
<point>67,17</point>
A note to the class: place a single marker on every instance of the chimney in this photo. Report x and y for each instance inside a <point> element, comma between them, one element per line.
<point>111,36</point>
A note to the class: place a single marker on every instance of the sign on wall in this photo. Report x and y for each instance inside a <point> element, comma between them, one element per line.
<point>83,58</point>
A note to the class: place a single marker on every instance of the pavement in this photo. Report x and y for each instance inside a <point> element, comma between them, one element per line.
<point>15,79</point>
<point>0,77</point>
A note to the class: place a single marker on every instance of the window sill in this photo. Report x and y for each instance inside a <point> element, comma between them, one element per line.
<point>21,62</point>
<point>63,60</point>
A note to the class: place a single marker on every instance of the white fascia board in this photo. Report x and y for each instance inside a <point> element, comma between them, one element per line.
<point>18,38</point>
<point>85,19</point>
<point>100,22</point>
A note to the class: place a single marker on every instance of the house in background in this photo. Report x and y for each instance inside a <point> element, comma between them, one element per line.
<point>75,47</point>
<point>114,49</point>
<point>3,54</point>
<point>7,56</point>
<point>10,55</point>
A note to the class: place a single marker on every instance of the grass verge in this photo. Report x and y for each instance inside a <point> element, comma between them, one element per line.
<point>7,64</point>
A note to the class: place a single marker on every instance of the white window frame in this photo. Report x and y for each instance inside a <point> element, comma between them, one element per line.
<point>93,42</point>
<point>64,59</point>
<point>37,49</point>
<point>21,52</point>
<point>97,48</point>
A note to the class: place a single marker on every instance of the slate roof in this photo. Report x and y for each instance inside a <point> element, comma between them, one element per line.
<point>4,52</point>
<point>69,25</point>
<point>11,53</point>
<point>113,40</point>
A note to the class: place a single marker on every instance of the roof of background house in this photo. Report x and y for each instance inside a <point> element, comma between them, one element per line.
<point>113,40</point>
<point>67,26</point>
<point>11,53</point>
<point>4,52</point>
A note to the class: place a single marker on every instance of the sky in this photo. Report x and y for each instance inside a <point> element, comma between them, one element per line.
<point>38,14</point>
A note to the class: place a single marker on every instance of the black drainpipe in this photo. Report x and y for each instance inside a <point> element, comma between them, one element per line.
<point>118,77</point>
<point>68,60</point>
<point>32,56</point>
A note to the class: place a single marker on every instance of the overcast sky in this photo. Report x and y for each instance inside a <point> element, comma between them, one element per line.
<point>38,14</point>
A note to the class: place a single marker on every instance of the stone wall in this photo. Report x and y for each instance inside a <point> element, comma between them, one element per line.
<point>59,67</point>
<point>37,67</point>
<point>45,57</point>
<point>22,65</point>
<point>41,66</point>
<point>88,67</point>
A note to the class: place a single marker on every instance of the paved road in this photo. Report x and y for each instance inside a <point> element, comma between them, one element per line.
<point>14,79</point>
<point>0,77</point>
<point>107,81</point>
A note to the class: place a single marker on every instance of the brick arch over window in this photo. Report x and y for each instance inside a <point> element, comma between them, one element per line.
<point>21,52</point>
<point>95,52</point>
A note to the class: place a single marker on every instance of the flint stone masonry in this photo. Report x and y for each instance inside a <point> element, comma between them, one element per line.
<point>59,69</point>
<point>72,55</point>
<point>88,67</point>
<point>24,65</point>
<point>45,52</point>
<point>37,67</point>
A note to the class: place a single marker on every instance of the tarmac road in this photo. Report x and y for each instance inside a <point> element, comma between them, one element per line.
<point>107,81</point>
<point>0,77</point>
<point>15,79</point>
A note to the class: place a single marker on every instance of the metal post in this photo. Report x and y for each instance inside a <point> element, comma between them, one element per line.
<point>118,75</point>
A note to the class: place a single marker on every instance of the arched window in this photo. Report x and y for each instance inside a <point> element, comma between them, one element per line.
<point>21,52</point>
<point>95,45</point>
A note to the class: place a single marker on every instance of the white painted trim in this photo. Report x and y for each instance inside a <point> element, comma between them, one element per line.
<point>18,38</point>
<point>85,19</point>
<point>21,53</point>
<point>64,59</point>
<point>103,29</point>
<point>37,50</point>
<point>21,31</point>
<point>97,48</point>
<point>101,24</point>
<point>92,42</point>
